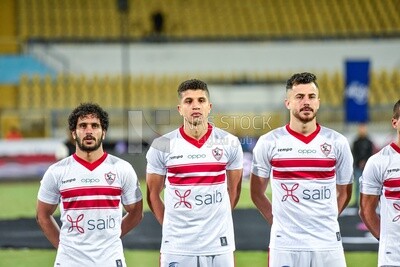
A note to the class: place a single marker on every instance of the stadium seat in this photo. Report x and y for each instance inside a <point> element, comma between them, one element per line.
<point>207,19</point>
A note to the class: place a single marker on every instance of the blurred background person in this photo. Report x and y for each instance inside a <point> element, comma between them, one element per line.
<point>13,134</point>
<point>362,149</point>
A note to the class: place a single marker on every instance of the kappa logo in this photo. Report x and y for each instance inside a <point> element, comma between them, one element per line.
<point>217,153</point>
<point>326,148</point>
<point>110,177</point>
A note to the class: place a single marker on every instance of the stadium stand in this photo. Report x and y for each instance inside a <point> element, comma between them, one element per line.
<point>208,19</point>
<point>155,91</point>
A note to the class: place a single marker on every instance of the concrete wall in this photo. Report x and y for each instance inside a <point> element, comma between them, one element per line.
<point>206,58</point>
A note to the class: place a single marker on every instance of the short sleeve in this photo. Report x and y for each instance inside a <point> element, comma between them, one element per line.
<point>48,190</point>
<point>344,162</point>
<point>131,192</point>
<point>261,165</point>
<point>155,162</point>
<point>235,160</point>
<point>371,180</point>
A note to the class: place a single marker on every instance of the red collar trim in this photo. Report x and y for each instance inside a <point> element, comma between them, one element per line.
<point>88,165</point>
<point>395,147</point>
<point>197,143</point>
<point>303,138</point>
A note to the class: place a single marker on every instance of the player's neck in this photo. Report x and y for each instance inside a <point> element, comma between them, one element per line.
<point>398,140</point>
<point>303,128</point>
<point>90,156</point>
<point>195,131</point>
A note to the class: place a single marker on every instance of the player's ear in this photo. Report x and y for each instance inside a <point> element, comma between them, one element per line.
<point>179,109</point>
<point>73,135</point>
<point>394,123</point>
<point>287,103</point>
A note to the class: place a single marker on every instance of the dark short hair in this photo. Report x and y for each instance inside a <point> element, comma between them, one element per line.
<point>192,84</point>
<point>85,109</point>
<point>396,110</point>
<point>301,78</point>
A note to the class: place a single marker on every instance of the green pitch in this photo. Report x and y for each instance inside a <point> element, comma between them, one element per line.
<point>40,258</point>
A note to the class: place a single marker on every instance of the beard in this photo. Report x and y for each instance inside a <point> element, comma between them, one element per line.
<point>304,118</point>
<point>91,148</point>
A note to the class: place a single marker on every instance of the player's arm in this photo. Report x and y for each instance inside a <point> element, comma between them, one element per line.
<point>155,185</point>
<point>258,186</point>
<point>343,195</point>
<point>46,221</point>
<point>234,180</point>
<point>368,205</point>
<point>133,216</point>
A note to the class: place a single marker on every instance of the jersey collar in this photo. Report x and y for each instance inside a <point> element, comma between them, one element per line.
<point>395,147</point>
<point>303,138</point>
<point>197,143</point>
<point>90,165</point>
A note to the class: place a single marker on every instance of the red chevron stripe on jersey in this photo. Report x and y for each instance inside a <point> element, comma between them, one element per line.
<point>303,175</point>
<point>91,204</point>
<point>190,168</point>
<point>91,191</point>
<point>392,194</point>
<point>197,180</point>
<point>392,182</point>
<point>293,162</point>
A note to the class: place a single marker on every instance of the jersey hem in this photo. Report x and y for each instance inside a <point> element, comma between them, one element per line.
<point>306,249</point>
<point>209,253</point>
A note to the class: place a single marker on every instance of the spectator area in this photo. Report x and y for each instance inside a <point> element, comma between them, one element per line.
<point>149,91</point>
<point>207,19</point>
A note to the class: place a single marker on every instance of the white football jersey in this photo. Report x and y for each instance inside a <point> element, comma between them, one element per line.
<point>90,197</point>
<point>303,172</point>
<point>198,217</point>
<point>381,177</point>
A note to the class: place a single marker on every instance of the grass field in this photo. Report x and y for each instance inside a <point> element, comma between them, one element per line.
<point>18,200</point>
<point>136,258</point>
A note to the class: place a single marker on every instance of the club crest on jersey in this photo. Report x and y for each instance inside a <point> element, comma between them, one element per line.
<point>110,177</point>
<point>326,148</point>
<point>217,153</point>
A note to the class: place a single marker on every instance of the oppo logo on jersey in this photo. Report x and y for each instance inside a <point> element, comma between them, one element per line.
<point>306,151</point>
<point>90,180</point>
<point>196,156</point>
<point>99,224</point>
